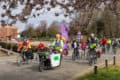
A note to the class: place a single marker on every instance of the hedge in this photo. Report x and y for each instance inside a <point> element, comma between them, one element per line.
<point>14,46</point>
<point>9,46</point>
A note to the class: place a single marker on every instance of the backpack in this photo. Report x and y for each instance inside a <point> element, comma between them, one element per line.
<point>72,44</point>
<point>114,43</point>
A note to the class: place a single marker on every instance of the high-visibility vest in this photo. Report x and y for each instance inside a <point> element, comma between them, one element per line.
<point>20,45</point>
<point>92,45</point>
<point>109,41</point>
<point>28,45</point>
<point>60,47</point>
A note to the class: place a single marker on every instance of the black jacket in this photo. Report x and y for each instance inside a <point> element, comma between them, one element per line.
<point>73,46</point>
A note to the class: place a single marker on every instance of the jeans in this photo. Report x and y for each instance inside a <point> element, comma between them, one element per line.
<point>75,53</point>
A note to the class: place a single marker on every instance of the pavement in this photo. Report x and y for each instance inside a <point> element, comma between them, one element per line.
<point>68,70</point>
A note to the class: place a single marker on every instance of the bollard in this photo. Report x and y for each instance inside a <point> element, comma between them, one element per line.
<point>0,48</point>
<point>114,60</point>
<point>106,63</point>
<point>95,69</point>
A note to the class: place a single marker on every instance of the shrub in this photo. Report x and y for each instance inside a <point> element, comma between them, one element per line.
<point>34,48</point>
<point>14,46</point>
<point>9,46</point>
<point>3,44</point>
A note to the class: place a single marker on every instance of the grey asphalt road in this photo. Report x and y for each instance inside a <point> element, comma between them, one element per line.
<point>68,69</point>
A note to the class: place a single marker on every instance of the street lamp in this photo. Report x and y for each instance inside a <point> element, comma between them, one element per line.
<point>18,37</point>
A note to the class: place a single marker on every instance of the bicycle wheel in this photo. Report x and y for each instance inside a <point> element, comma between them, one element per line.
<point>114,51</point>
<point>91,57</point>
<point>41,65</point>
<point>103,50</point>
<point>73,56</point>
<point>19,60</point>
<point>90,60</point>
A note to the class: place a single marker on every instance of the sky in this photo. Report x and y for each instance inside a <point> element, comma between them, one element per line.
<point>48,16</point>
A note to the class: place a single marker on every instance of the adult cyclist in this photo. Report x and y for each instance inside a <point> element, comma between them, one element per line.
<point>24,48</point>
<point>92,44</point>
<point>58,43</point>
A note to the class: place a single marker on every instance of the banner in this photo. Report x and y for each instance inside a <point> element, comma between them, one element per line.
<point>55,60</point>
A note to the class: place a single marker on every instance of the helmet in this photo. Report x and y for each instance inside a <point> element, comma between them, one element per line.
<point>41,45</point>
<point>92,34</point>
<point>24,37</point>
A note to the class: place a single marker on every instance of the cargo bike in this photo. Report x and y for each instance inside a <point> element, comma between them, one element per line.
<point>49,60</point>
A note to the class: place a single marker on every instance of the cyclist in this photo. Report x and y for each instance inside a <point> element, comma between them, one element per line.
<point>24,48</point>
<point>103,43</point>
<point>43,57</point>
<point>114,45</point>
<point>109,42</point>
<point>58,43</point>
<point>41,50</point>
<point>83,47</point>
<point>92,44</point>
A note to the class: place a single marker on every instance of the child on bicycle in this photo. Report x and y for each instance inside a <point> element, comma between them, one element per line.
<point>43,56</point>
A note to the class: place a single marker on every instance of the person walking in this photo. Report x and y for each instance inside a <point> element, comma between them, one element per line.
<point>75,46</point>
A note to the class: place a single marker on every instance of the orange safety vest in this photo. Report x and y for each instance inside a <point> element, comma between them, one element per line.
<point>28,46</point>
<point>20,45</point>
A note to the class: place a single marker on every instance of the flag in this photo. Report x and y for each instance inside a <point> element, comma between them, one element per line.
<point>79,35</point>
<point>64,31</point>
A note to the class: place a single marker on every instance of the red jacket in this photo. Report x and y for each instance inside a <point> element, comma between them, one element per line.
<point>83,45</point>
<point>41,46</point>
<point>103,41</point>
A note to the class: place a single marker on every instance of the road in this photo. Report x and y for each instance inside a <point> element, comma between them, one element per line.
<point>68,70</point>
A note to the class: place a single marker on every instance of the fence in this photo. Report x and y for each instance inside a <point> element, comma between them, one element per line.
<point>8,52</point>
<point>106,64</point>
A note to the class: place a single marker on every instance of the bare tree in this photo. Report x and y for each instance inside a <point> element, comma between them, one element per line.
<point>53,29</point>
<point>70,7</point>
<point>29,31</point>
<point>41,30</point>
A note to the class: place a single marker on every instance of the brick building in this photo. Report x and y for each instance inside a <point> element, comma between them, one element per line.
<point>8,32</point>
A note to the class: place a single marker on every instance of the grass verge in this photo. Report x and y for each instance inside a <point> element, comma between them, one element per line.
<point>111,73</point>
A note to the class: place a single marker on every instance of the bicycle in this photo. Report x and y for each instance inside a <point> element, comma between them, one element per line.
<point>48,63</point>
<point>92,58</point>
<point>114,50</point>
<point>75,55</point>
<point>21,59</point>
<point>82,53</point>
<point>42,58</point>
<point>24,57</point>
<point>103,49</point>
